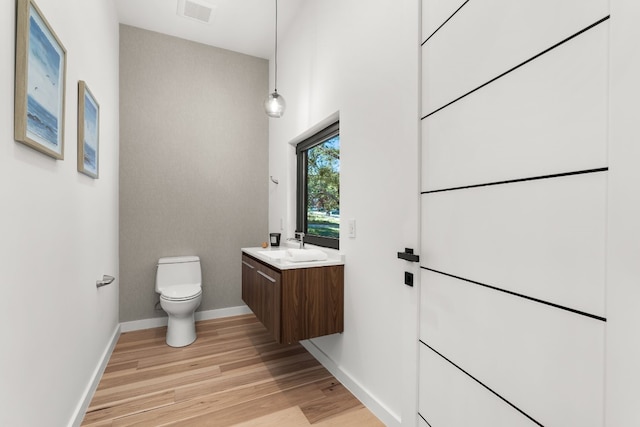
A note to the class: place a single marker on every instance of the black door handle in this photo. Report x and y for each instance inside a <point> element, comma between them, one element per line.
<point>408,255</point>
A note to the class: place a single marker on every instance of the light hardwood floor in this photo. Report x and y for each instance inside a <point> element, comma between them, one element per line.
<point>233,375</point>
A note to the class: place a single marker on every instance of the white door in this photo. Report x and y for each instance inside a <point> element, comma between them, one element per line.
<point>514,182</point>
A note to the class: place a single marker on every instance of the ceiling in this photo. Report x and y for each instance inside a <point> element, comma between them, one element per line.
<point>245,26</point>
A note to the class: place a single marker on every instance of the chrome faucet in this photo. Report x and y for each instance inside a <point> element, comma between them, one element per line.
<point>301,237</point>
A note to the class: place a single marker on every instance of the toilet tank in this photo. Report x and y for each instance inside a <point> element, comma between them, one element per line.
<point>178,271</point>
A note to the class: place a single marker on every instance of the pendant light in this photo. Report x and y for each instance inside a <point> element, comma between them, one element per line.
<point>274,105</point>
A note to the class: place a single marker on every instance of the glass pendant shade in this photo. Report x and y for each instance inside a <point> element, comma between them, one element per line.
<point>274,105</point>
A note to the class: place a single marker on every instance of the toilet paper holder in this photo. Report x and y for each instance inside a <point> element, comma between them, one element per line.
<point>106,280</point>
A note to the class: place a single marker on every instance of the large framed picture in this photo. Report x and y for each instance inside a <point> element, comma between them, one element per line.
<point>88,131</point>
<point>40,82</point>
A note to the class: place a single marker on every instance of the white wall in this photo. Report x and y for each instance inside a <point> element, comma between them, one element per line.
<point>623,289</point>
<point>58,230</point>
<point>360,59</point>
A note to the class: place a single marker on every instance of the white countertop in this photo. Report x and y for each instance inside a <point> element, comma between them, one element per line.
<point>272,256</point>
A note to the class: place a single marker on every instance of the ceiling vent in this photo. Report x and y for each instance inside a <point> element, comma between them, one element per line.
<point>196,9</point>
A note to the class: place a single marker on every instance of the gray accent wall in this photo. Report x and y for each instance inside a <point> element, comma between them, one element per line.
<point>193,164</point>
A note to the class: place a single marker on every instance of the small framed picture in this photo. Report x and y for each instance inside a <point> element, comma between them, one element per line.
<point>88,131</point>
<point>40,82</point>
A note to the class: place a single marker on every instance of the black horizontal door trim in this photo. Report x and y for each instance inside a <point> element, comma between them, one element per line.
<point>511,181</point>
<point>495,288</point>
<point>519,65</point>
<point>442,25</point>
<point>482,384</point>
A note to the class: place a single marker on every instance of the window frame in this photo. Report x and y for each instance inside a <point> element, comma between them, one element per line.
<point>302,189</point>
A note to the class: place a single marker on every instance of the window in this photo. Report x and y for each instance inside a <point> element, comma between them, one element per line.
<point>318,196</point>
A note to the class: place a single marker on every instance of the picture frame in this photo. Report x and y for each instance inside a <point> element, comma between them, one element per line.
<point>88,131</point>
<point>41,63</point>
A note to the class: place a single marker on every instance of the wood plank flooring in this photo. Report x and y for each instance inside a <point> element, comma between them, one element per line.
<point>233,375</point>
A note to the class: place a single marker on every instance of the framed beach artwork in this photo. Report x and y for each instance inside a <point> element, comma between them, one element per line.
<point>88,131</point>
<point>40,82</point>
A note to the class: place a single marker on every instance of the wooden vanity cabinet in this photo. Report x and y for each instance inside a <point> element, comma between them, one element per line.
<point>294,304</point>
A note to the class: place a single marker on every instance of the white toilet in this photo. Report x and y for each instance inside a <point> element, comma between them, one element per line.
<point>179,283</point>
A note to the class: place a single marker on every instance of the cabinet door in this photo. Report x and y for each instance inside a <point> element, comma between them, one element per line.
<point>324,301</point>
<point>312,302</point>
<point>250,289</point>
<point>269,282</point>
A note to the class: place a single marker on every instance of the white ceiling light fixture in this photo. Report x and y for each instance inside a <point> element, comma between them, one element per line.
<point>197,10</point>
<point>274,105</point>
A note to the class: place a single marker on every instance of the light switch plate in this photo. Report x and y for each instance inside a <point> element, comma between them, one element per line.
<point>351,228</point>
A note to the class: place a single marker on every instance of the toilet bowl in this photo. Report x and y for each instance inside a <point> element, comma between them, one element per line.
<point>178,281</point>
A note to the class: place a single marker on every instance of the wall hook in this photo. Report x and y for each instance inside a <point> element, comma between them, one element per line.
<point>106,280</point>
<point>275,181</point>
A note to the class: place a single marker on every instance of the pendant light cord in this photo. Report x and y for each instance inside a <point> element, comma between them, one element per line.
<point>276,53</point>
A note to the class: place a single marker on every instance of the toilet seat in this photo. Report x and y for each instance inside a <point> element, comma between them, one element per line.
<point>181,292</point>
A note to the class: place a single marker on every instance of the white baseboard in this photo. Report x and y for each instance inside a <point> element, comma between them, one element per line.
<point>374,405</point>
<point>136,325</point>
<point>80,411</point>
